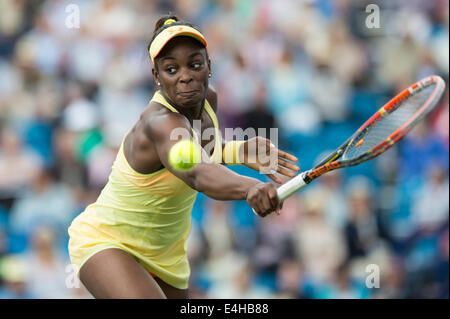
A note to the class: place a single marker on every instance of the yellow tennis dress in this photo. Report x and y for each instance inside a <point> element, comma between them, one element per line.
<point>146,215</point>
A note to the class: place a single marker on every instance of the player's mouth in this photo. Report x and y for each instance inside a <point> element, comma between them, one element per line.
<point>188,94</point>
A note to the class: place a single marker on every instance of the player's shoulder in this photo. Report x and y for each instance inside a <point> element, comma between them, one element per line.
<point>211,97</point>
<point>156,112</point>
<point>158,118</point>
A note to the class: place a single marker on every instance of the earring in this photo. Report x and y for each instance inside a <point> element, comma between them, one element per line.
<point>210,75</point>
<point>159,84</point>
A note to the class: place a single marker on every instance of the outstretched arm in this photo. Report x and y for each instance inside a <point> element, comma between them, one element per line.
<point>214,180</point>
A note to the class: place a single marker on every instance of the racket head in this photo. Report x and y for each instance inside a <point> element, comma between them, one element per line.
<point>393,121</point>
<point>386,127</point>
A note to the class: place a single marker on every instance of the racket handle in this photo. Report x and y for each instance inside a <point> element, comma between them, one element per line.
<point>290,187</point>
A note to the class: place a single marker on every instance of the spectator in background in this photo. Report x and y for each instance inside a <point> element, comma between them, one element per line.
<point>430,204</point>
<point>419,150</point>
<point>392,281</point>
<point>319,246</point>
<point>13,19</point>
<point>237,101</point>
<point>290,279</point>
<point>14,158</point>
<point>333,106</point>
<point>46,202</point>
<point>46,266</point>
<point>361,231</point>
<point>216,228</point>
<point>273,245</point>
<point>344,287</point>
<point>335,206</point>
<point>258,117</point>
<point>288,96</point>
<point>69,169</point>
<point>241,286</point>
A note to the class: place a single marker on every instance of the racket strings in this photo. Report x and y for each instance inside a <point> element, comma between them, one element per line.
<point>380,130</point>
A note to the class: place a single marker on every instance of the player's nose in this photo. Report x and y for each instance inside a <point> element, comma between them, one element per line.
<point>185,76</point>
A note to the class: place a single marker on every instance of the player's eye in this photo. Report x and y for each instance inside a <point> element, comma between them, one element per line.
<point>196,65</point>
<point>171,69</point>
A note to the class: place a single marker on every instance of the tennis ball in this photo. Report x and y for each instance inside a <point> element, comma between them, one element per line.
<point>184,155</point>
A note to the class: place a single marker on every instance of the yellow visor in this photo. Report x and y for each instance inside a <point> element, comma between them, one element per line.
<point>167,34</point>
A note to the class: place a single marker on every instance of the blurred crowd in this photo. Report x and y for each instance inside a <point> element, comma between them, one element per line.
<point>311,68</point>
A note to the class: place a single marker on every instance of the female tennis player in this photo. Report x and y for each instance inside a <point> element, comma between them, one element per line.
<point>131,243</point>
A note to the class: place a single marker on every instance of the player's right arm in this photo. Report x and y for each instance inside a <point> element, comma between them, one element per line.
<point>214,180</point>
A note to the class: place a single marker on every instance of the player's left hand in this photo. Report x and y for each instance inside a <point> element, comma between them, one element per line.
<point>261,155</point>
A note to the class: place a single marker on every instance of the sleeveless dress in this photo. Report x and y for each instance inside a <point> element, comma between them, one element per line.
<point>146,215</point>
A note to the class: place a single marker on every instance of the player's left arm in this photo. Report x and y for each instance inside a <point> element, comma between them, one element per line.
<point>257,153</point>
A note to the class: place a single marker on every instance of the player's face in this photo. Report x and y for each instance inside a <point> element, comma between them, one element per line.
<point>183,70</point>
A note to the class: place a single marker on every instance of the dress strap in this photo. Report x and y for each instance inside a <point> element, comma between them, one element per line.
<point>159,98</point>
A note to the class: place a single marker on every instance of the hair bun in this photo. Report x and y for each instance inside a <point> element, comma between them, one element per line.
<point>169,21</point>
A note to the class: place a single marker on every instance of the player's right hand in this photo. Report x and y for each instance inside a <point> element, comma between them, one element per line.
<point>263,199</point>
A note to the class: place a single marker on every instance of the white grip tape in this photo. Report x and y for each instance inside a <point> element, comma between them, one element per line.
<point>289,188</point>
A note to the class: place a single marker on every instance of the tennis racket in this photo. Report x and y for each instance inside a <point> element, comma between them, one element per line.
<point>380,132</point>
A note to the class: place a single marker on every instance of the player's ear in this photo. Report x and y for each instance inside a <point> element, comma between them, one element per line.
<point>156,76</point>
<point>209,66</point>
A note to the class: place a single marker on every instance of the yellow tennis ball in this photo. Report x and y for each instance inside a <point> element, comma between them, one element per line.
<point>184,155</point>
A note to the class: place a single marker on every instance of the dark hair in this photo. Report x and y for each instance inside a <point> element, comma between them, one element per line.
<point>160,26</point>
<point>160,23</point>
